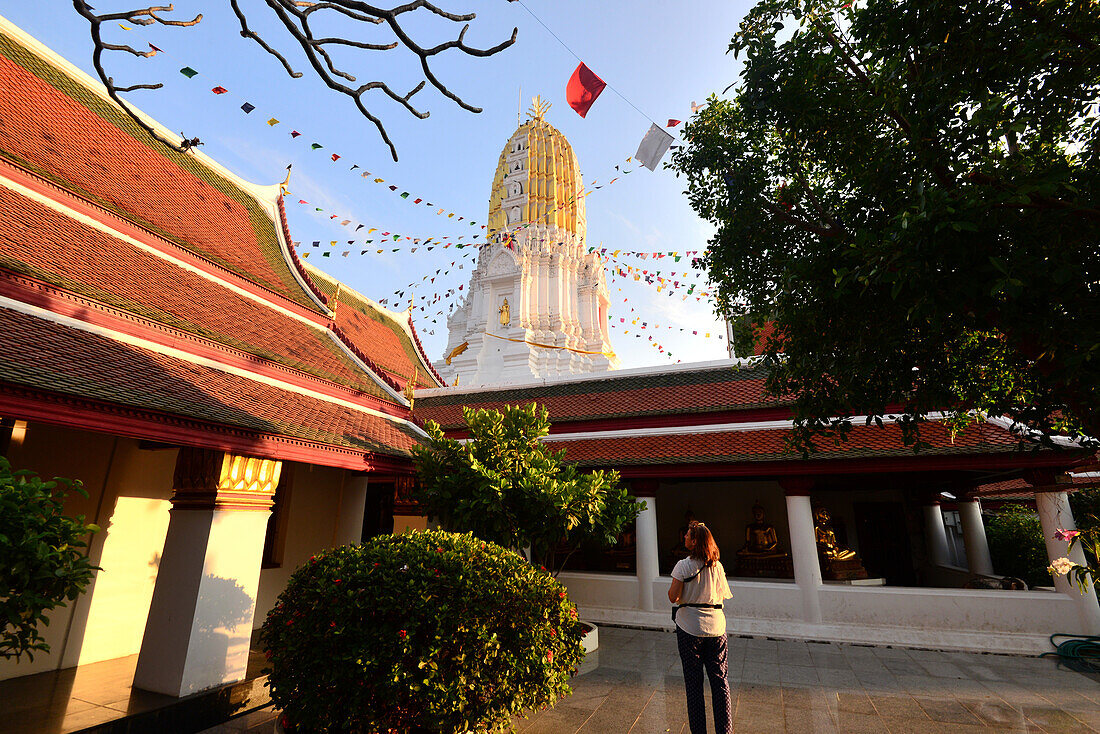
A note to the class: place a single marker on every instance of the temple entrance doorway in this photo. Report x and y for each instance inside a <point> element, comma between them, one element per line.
<point>884,550</point>
<point>378,510</point>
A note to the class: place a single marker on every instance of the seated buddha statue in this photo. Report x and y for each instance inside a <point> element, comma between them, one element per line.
<point>826,538</point>
<point>760,538</point>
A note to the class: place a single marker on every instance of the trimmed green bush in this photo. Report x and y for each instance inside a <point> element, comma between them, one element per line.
<point>505,485</point>
<point>1016,545</point>
<point>43,556</point>
<point>423,632</point>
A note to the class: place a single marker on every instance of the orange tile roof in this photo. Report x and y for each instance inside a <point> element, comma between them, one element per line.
<point>768,445</point>
<point>56,127</point>
<point>36,240</point>
<point>42,355</point>
<point>376,333</point>
<point>709,390</point>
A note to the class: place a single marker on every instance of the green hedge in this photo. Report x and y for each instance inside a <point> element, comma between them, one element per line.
<point>428,631</point>
<point>1016,545</point>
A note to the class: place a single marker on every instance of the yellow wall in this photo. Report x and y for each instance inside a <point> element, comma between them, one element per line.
<point>311,527</point>
<point>128,492</point>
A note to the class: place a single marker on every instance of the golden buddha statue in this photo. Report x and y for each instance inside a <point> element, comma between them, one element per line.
<point>826,538</point>
<point>505,314</point>
<point>761,540</point>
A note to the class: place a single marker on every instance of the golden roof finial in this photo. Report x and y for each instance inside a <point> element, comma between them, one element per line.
<point>538,108</point>
<point>286,181</point>
<point>336,300</point>
<point>410,385</point>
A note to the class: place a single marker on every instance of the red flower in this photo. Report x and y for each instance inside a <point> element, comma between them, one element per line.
<point>553,633</point>
<point>438,550</point>
<point>549,655</point>
<point>336,581</point>
<point>331,624</point>
<point>561,595</point>
<point>402,634</point>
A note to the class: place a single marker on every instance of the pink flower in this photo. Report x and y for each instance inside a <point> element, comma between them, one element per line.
<point>1066,534</point>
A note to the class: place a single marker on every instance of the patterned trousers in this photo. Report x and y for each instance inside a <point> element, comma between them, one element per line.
<point>695,654</point>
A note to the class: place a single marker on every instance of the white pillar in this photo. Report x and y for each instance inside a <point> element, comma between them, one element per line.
<point>199,629</point>
<point>1054,515</point>
<point>935,535</point>
<point>353,503</point>
<point>645,549</point>
<point>977,547</point>
<point>807,568</point>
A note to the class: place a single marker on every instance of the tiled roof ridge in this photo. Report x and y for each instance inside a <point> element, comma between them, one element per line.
<point>618,383</point>
<point>630,373</point>
<point>375,367</point>
<point>347,343</point>
<point>219,270</point>
<point>73,104</point>
<point>401,318</point>
<point>294,256</point>
<point>182,335</point>
<point>48,397</point>
<point>422,354</point>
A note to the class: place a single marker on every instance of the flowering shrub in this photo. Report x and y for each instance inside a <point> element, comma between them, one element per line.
<point>1087,574</point>
<point>428,631</point>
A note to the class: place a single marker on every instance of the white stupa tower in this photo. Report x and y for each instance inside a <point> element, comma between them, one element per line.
<point>537,303</point>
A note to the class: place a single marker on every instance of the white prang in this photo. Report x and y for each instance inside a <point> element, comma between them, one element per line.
<point>557,303</point>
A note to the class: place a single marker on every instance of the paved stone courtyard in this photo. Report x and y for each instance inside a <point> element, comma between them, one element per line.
<point>824,687</point>
<point>635,685</point>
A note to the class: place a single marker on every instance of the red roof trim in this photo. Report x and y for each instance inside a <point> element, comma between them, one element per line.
<point>101,417</point>
<point>378,371</point>
<point>420,352</point>
<point>663,420</point>
<point>44,295</point>
<point>294,255</point>
<point>127,227</point>
<point>868,465</point>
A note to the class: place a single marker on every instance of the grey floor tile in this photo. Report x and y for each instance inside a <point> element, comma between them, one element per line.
<point>561,719</point>
<point>947,711</point>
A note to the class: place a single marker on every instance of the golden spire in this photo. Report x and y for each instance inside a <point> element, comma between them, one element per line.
<point>538,109</point>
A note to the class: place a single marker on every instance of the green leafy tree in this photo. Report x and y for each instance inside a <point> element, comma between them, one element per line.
<point>906,201</point>
<point>43,556</point>
<point>1016,545</point>
<point>422,632</point>
<point>506,486</point>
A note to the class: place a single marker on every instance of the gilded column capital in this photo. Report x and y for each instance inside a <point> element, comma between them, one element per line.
<point>214,480</point>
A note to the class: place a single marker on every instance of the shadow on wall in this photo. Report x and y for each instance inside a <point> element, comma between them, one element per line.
<point>223,627</point>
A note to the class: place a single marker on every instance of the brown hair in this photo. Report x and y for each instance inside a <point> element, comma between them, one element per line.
<point>704,549</point>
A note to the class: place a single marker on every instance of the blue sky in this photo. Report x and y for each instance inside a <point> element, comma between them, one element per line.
<point>661,56</point>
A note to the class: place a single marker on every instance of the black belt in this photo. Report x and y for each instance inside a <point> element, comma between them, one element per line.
<point>697,606</point>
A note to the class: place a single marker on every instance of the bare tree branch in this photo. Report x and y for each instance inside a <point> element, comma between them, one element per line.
<point>295,15</point>
<point>147,16</point>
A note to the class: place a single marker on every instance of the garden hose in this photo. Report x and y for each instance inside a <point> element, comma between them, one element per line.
<point>1077,649</point>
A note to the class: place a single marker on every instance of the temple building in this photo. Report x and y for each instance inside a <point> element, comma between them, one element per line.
<point>537,304</point>
<point>232,411</point>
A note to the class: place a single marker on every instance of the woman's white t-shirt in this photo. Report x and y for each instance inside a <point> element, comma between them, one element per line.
<point>709,587</point>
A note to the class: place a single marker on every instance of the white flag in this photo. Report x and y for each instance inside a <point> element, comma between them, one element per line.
<point>653,147</point>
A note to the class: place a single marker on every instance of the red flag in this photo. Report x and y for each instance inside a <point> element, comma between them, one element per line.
<point>219,90</point>
<point>672,123</point>
<point>335,157</point>
<point>583,89</point>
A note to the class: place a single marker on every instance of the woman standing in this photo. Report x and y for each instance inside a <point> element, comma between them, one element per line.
<point>699,587</point>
